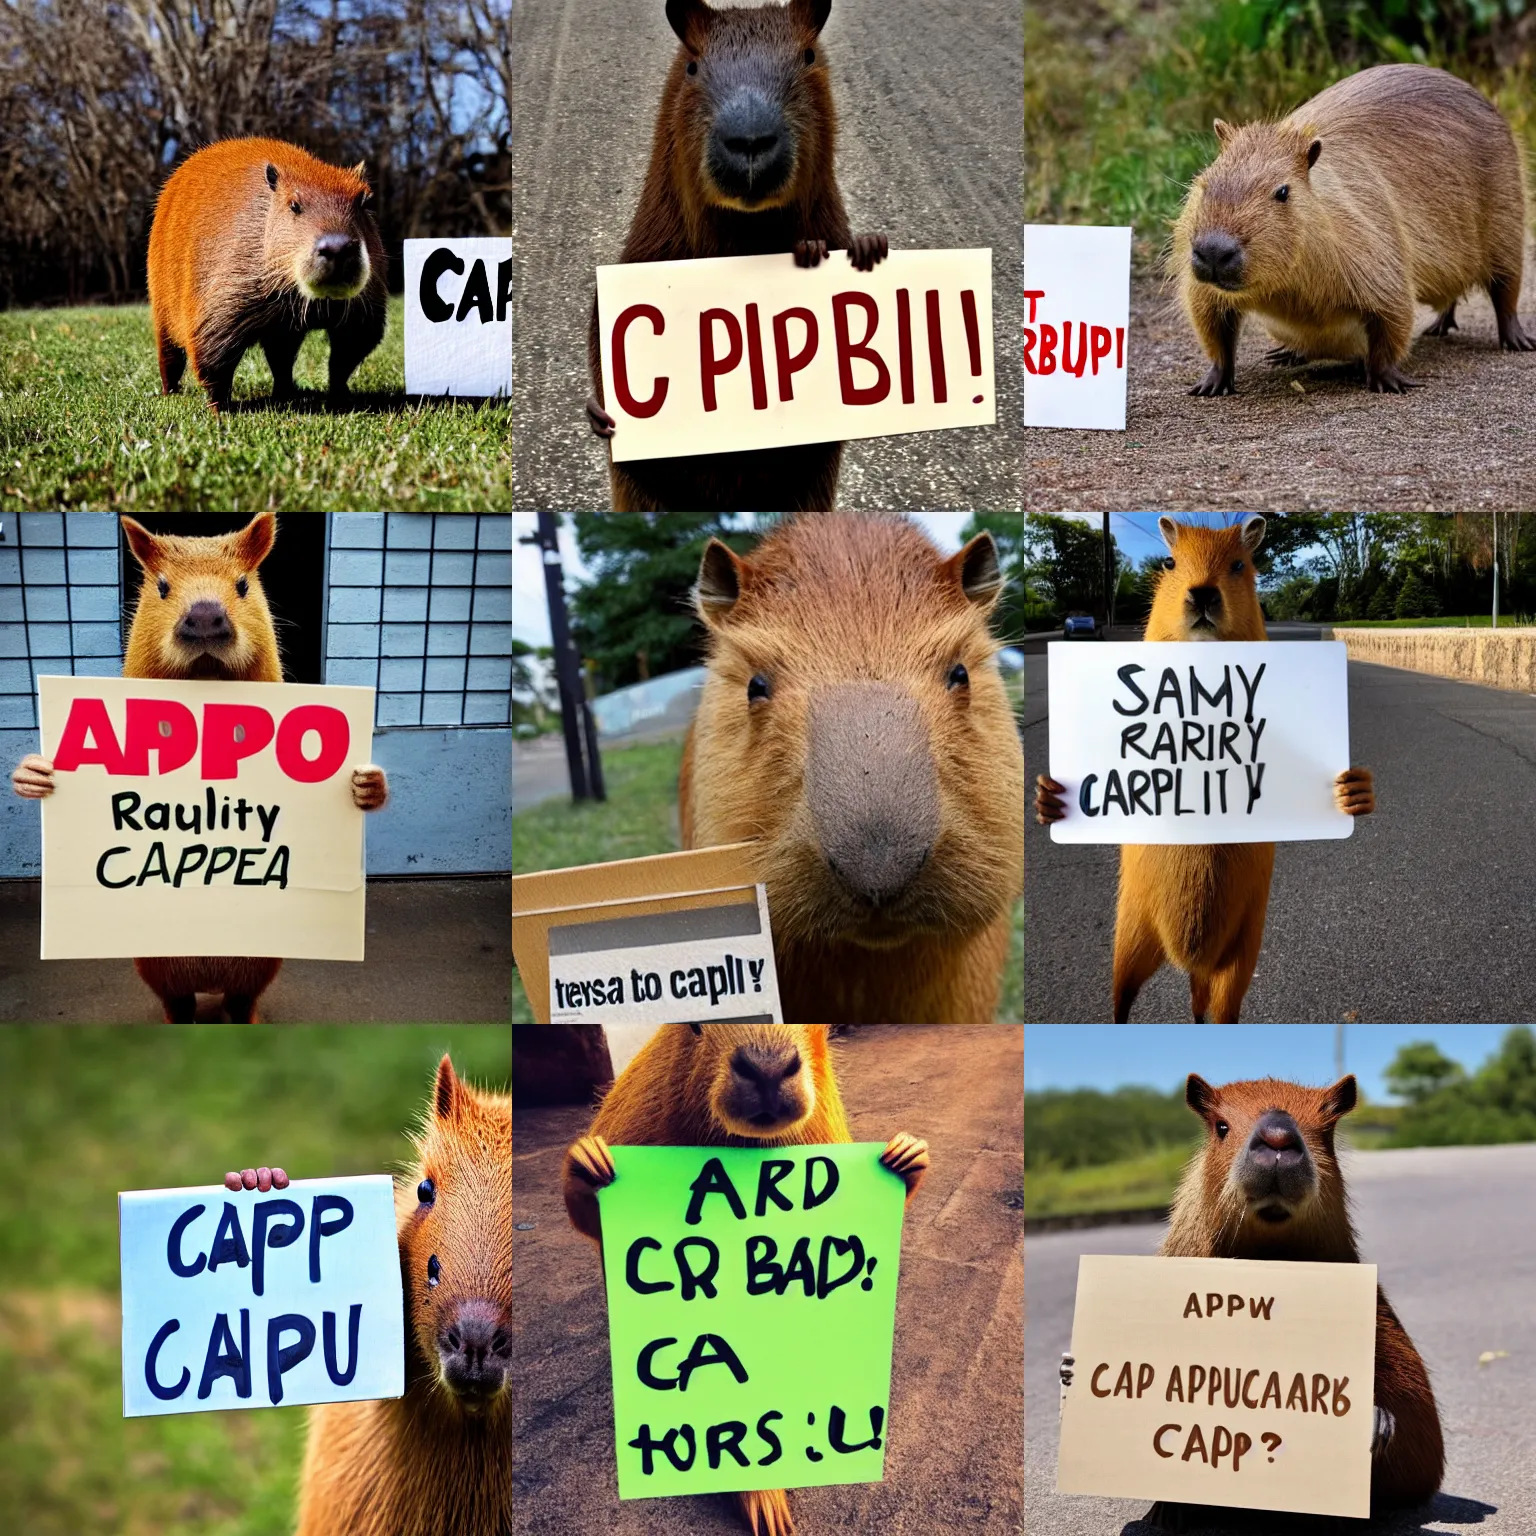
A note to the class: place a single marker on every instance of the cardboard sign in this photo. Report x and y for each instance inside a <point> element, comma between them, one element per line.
<point>678,938</point>
<point>751,1311</point>
<point>458,317</point>
<point>202,818</point>
<point>754,352</point>
<point>1077,320</point>
<point>1222,1381</point>
<point>1209,742</point>
<point>243,1300</point>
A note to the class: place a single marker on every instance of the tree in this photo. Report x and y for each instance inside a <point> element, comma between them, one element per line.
<point>1419,1070</point>
<point>1064,561</point>
<point>1416,598</point>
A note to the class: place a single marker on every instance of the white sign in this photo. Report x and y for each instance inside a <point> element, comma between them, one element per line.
<point>241,1300</point>
<point>754,352</point>
<point>202,818</point>
<point>1077,321</point>
<point>1199,742</point>
<point>458,317</point>
<point>1230,1382</point>
<point>697,965</point>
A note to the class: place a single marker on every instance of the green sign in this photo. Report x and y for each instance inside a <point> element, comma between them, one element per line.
<point>751,1307</point>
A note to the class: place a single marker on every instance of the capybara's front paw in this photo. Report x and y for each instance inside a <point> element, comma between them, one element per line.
<point>907,1156</point>
<point>33,778</point>
<point>867,251</point>
<point>1388,379</point>
<point>1354,792</point>
<point>810,253</point>
<point>1065,1369</point>
<point>589,1160</point>
<point>1219,381</point>
<point>370,788</point>
<point>598,419</point>
<point>262,1179</point>
<point>1049,806</point>
<point>1383,1427</point>
<point>767,1512</point>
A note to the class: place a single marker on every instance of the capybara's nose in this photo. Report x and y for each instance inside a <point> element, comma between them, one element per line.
<point>1276,1139</point>
<point>338,251</point>
<point>206,622</point>
<point>761,1074</point>
<point>748,142</point>
<point>475,1348</point>
<point>1205,600</point>
<point>1217,258</point>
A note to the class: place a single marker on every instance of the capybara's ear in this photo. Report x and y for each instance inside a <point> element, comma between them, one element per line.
<point>145,546</point>
<point>977,571</point>
<point>272,177</point>
<point>690,19</point>
<point>1253,531</point>
<point>1223,131</point>
<point>1200,1096</point>
<point>722,577</point>
<point>1169,529</point>
<point>254,542</point>
<point>811,14</point>
<point>1340,1099</point>
<point>1314,149</point>
<point>445,1093</point>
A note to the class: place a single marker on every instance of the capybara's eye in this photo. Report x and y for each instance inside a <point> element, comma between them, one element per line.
<point>242,586</point>
<point>426,1192</point>
<point>1169,562</point>
<point>958,676</point>
<point>810,55</point>
<point>164,586</point>
<point>758,688</point>
<point>693,66</point>
<point>1282,194</point>
<point>1221,1130</point>
<point>434,1269</point>
<point>296,206</point>
<point>1237,567</point>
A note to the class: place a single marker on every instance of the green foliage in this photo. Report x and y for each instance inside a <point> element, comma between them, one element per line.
<point>1007,530</point>
<point>1082,1128</point>
<point>1132,1183</point>
<point>1420,1069</point>
<point>83,426</point>
<point>1064,563</point>
<point>1415,599</point>
<point>1496,1104</point>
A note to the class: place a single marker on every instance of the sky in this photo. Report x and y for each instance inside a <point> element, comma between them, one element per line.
<point>530,612</point>
<point>1136,532</point>
<point>1107,1056</point>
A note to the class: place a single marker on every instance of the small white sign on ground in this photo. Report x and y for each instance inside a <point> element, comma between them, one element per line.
<point>1077,321</point>
<point>458,317</point>
<point>1204,742</point>
<point>1228,1382</point>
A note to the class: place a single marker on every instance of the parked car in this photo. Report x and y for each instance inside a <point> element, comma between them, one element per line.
<point>1081,626</point>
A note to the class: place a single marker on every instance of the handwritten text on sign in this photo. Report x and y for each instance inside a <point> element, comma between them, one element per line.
<point>202,818</point>
<point>251,1301</point>
<point>755,352</point>
<point>751,1310</point>
<point>1222,1381</point>
<point>1205,742</point>
<point>1077,316</point>
<point>458,317</point>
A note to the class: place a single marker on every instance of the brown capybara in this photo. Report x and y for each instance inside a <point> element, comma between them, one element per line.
<point>255,241</point>
<point>202,614</point>
<point>723,1085</point>
<point>1396,186</point>
<point>742,164</point>
<point>854,728</point>
<point>1200,906</point>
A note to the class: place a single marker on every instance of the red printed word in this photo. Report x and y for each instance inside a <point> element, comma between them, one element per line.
<point>228,733</point>
<point>1047,348</point>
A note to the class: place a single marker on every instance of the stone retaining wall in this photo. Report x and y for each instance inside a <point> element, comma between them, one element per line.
<point>1502,658</point>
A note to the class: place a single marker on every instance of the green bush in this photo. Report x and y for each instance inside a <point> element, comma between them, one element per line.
<point>1082,1128</point>
<point>1496,1104</point>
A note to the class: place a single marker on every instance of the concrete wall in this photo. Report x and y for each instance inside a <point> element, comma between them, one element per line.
<point>1502,658</point>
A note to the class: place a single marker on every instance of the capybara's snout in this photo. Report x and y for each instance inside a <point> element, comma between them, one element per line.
<point>1204,607</point>
<point>751,150</point>
<point>765,1088</point>
<point>474,1349</point>
<point>1275,1165</point>
<point>205,626</point>
<point>1218,258</point>
<point>337,267</point>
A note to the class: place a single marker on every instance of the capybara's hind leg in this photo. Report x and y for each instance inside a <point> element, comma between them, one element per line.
<point>173,363</point>
<point>181,1009</point>
<point>767,1513</point>
<point>1513,337</point>
<point>1138,954</point>
<point>1199,996</point>
<point>281,348</point>
<point>1445,322</point>
<point>352,341</point>
<point>240,1007</point>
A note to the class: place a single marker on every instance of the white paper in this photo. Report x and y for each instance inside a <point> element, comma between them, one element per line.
<point>1146,756</point>
<point>458,317</point>
<point>1077,319</point>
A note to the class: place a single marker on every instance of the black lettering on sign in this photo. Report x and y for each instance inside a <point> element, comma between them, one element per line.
<point>475,295</point>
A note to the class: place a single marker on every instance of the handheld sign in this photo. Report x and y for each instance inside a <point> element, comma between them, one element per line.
<point>458,317</point>
<point>202,818</point>
<point>754,352</point>
<point>1077,319</point>
<point>240,1300</point>
<point>1206,742</point>
<point>751,1313</point>
<point>1222,1381</point>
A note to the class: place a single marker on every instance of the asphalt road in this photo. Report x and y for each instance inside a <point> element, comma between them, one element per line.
<point>1422,915</point>
<point>956,1427</point>
<point>1457,1262</point>
<point>539,771</point>
<point>930,104</point>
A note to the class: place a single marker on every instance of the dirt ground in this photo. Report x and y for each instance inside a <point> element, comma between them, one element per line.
<point>955,1455</point>
<point>1302,439</point>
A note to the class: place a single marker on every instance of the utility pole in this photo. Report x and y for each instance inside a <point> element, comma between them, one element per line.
<point>1338,1052</point>
<point>1495,570</point>
<point>1109,579</point>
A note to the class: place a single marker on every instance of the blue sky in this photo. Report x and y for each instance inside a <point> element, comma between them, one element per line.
<point>1136,532</point>
<point>1107,1056</point>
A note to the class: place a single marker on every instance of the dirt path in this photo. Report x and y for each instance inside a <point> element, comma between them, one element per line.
<point>1302,439</point>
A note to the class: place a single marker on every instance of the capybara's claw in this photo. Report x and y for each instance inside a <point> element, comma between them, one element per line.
<point>1067,1362</point>
<point>867,251</point>
<point>1388,380</point>
<point>1285,357</point>
<point>1383,1427</point>
<point>767,1512</point>
<point>1354,792</point>
<point>1444,324</point>
<point>370,787</point>
<point>590,1160</point>
<point>1049,806</point>
<point>1513,337</point>
<point>262,1179</point>
<point>600,421</point>
<point>33,778</point>
<point>1219,381</point>
<point>810,253</point>
<point>907,1156</point>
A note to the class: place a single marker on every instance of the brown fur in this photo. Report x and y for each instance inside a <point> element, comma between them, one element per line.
<point>425,1464</point>
<point>1404,186</point>
<point>196,569</point>
<point>683,214</point>
<point>229,264</point>
<point>1211,1219</point>
<point>832,603</point>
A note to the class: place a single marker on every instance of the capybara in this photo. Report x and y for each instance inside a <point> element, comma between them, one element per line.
<point>1200,906</point>
<point>723,1085</point>
<point>438,1461</point>
<point>854,728</point>
<point>202,614</point>
<point>742,164</point>
<point>255,241</point>
<point>1396,186</point>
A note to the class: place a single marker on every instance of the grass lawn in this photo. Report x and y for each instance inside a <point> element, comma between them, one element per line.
<point>83,426</point>
<point>86,1112</point>
<point>640,818</point>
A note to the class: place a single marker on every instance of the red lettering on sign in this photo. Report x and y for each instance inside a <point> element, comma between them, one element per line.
<point>848,350</point>
<point>712,367</point>
<point>222,747</point>
<point>330,724</point>
<point>790,363</point>
<point>622,392</point>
